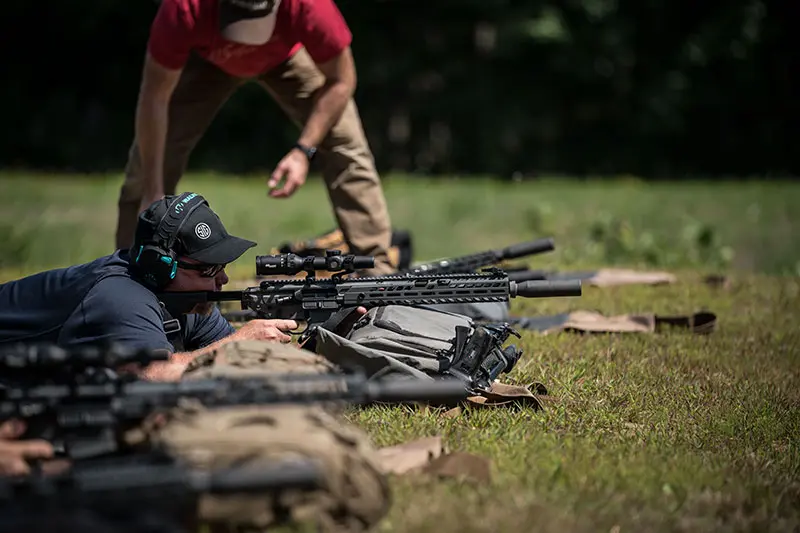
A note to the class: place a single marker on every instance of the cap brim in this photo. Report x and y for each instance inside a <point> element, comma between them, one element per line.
<point>226,251</point>
<point>239,26</point>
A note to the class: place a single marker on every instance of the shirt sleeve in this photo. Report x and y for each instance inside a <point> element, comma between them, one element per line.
<point>171,35</point>
<point>202,330</point>
<point>322,30</point>
<point>117,310</point>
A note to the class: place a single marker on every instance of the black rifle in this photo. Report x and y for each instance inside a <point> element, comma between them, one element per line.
<point>42,363</point>
<point>148,496</point>
<point>315,301</point>
<point>473,262</point>
<point>84,420</point>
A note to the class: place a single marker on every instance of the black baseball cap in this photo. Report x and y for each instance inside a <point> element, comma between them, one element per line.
<point>201,235</point>
<point>248,21</point>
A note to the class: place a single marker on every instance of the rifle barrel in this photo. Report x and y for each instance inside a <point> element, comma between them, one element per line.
<point>527,275</point>
<point>472,262</point>
<point>225,296</point>
<point>409,390</point>
<point>114,478</point>
<point>522,249</point>
<point>546,288</point>
<point>294,474</point>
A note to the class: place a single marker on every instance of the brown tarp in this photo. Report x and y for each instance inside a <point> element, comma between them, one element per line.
<point>584,321</point>
<point>428,455</point>
<point>702,322</point>
<point>610,277</point>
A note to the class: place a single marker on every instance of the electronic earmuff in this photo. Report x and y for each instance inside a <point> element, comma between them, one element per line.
<point>156,260</point>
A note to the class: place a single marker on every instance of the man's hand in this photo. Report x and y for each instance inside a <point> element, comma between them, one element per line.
<point>13,453</point>
<point>266,330</point>
<point>293,169</point>
<point>330,101</point>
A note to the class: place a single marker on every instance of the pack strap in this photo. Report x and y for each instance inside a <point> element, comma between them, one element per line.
<point>339,323</point>
<point>172,328</point>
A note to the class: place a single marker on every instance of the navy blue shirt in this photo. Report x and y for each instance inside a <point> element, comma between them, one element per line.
<point>95,302</point>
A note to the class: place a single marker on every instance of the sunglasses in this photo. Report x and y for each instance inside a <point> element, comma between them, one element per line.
<point>206,271</point>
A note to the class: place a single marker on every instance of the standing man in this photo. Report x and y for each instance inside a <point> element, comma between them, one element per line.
<point>200,51</point>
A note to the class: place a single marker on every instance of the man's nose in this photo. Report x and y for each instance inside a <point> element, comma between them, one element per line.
<point>222,278</point>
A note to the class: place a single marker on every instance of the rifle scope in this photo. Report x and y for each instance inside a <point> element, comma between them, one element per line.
<point>291,264</point>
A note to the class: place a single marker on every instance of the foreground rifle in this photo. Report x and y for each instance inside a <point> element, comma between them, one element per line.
<point>315,301</point>
<point>47,363</point>
<point>151,495</point>
<point>85,420</point>
<point>473,262</point>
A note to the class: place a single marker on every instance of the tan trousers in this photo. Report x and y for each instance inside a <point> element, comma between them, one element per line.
<point>344,156</point>
<point>356,493</point>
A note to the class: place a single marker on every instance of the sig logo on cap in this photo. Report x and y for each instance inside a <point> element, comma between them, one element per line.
<point>202,230</point>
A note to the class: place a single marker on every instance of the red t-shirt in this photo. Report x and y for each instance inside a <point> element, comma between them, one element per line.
<point>181,26</point>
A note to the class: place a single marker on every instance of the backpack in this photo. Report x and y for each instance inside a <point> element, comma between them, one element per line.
<point>396,342</point>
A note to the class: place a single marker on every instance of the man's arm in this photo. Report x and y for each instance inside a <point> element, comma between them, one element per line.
<point>118,310</point>
<point>320,26</point>
<point>14,453</point>
<point>330,101</point>
<point>152,122</point>
<point>172,37</point>
<point>265,330</point>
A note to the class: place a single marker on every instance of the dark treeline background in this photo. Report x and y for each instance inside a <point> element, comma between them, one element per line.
<point>652,87</point>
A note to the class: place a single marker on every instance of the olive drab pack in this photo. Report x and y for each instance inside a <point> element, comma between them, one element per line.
<point>403,341</point>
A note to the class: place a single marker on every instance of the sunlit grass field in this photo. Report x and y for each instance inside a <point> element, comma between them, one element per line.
<point>647,432</point>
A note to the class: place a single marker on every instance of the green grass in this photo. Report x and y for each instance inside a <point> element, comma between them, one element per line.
<point>663,432</point>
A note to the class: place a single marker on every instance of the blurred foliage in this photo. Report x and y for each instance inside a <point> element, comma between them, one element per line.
<point>14,246</point>
<point>695,245</point>
<point>708,227</point>
<point>511,88</point>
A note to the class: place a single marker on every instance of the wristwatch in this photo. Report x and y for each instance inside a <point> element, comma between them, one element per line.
<point>310,151</point>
